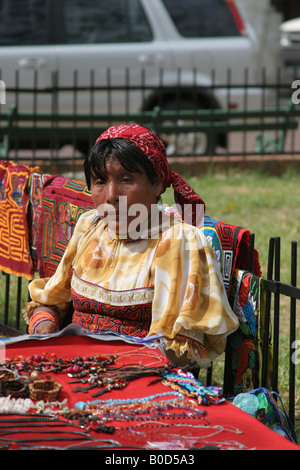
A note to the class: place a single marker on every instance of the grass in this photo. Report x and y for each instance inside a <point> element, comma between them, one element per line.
<point>12,305</point>
<point>268,206</point>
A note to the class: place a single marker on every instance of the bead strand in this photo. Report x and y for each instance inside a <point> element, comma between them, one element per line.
<point>82,405</point>
<point>154,410</point>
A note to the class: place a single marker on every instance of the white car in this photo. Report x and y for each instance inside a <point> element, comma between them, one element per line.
<point>133,54</point>
<point>290,42</point>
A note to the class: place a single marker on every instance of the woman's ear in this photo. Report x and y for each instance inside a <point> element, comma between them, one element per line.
<point>158,187</point>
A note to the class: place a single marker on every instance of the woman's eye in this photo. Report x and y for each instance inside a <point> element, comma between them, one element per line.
<point>99,182</point>
<point>126,179</point>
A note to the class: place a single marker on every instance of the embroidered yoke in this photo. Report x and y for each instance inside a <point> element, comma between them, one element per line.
<point>111,312</point>
<point>167,283</point>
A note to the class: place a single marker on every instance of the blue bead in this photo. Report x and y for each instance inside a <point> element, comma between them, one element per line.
<point>80,405</point>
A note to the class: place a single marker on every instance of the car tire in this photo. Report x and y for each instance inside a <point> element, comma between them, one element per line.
<point>190,143</point>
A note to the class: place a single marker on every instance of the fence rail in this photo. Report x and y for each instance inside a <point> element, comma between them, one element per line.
<point>248,106</point>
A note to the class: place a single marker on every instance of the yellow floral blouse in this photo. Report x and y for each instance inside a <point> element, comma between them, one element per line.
<point>167,282</point>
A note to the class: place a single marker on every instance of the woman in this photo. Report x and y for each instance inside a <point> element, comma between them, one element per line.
<point>133,267</point>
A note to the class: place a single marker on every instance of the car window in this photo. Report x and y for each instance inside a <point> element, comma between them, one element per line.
<point>202,18</point>
<point>102,21</point>
<point>23,22</point>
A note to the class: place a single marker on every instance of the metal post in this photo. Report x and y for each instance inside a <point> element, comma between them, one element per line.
<point>6,304</point>
<point>276,316</point>
<point>267,316</point>
<point>18,302</point>
<point>292,371</point>
<point>251,252</point>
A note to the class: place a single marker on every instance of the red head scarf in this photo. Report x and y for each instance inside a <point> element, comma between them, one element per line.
<point>189,201</point>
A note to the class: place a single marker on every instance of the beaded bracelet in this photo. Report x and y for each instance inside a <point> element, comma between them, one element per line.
<point>186,383</point>
<point>40,317</point>
<point>13,388</point>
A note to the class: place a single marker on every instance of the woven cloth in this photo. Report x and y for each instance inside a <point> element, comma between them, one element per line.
<point>245,346</point>
<point>35,209</point>
<point>14,233</point>
<point>231,247</point>
<point>64,200</point>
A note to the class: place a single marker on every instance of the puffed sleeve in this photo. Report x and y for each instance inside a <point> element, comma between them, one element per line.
<point>190,306</point>
<point>55,292</point>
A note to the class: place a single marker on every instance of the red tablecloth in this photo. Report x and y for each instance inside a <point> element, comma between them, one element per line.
<point>224,425</point>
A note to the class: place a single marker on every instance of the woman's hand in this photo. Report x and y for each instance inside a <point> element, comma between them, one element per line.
<point>43,321</point>
<point>181,361</point>
<point>46,328</point>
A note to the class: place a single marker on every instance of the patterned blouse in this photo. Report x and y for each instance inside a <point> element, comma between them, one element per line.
<point>165,282</point>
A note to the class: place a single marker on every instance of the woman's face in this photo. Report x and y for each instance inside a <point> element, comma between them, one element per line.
<point>124,198</point>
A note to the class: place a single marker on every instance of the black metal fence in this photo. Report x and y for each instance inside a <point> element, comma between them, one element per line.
<point>56,126</point>
<point>59,124</point>
<point>275,289</point>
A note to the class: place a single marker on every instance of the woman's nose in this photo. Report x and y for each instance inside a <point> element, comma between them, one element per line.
<point>112,192</point>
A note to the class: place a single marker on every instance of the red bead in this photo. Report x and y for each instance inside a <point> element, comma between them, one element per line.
<point>14,445</point>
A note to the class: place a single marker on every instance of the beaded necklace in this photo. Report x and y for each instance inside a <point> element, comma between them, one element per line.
<point>154,410</point>
<point>51,363</point>
<point>81,405</point>
<point>180,435</point>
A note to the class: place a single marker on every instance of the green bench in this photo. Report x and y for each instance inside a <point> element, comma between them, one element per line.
<point>44,130</point>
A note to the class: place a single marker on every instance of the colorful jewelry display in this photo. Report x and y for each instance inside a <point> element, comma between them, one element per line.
<point>167,411</point>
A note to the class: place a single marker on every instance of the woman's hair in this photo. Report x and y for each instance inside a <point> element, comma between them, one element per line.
<point>129,155</point>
